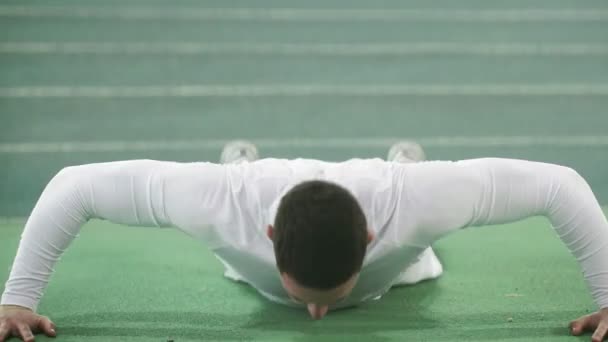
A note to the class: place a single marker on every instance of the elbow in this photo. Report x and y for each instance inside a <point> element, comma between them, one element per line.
<point>69,186</point>
<point>569,176</point>
<point>68,171</point>
<point>69,175</point>
<point>569,189</point>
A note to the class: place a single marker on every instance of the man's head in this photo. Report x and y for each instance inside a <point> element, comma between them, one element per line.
<point>320,236</point>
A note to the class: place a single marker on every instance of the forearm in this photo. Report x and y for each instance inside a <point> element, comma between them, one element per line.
<point>520,189</point>
<point>140,192</point>
<point>491,191</point>
<point>73,196</point>
<point>580,223</point>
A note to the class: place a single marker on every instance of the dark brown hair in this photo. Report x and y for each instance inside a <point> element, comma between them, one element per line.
<point>320,235</point>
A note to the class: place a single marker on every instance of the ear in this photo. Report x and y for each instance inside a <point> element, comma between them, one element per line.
<point>370,236</point>
<point>270,231</point>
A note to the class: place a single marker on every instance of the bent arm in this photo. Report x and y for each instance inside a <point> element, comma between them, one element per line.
<point>139,192</point>
<point>479,192</point>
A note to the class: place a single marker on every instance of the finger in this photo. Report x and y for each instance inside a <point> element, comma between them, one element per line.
<point>585,323</point>
<point>4,332</point>
<point>26,333</point>
<point>46,326</point>
<point>600,332</point>
<point>577,327</point>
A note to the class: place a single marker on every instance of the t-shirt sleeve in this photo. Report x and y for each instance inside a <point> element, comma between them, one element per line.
<point>140,193</point>
<point>445,196</point>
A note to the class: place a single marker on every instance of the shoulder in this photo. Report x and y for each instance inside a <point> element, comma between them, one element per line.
<point>374,182</point>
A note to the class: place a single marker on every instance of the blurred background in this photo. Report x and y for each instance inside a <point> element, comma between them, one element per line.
<point>93,81</point>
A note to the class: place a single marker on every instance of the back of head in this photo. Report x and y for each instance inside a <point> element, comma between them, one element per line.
<point>320,235</point>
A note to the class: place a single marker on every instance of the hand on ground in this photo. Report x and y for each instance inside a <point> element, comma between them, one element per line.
<point>23,323</point>
<point>596,323</point>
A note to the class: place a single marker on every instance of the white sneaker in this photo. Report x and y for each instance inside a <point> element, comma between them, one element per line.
<point>406,152</point>
<point>239,151</point>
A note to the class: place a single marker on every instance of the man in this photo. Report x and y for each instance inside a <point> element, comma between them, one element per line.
<point>338,233</point>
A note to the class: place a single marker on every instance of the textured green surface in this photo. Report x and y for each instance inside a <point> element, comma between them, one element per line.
<point>505,283</point>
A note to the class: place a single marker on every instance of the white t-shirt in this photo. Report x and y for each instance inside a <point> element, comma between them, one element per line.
<point>408,207</point>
